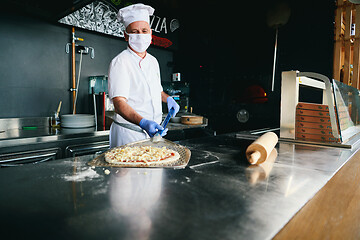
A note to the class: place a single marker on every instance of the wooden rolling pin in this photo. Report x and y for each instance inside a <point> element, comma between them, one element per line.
<point>261,148</point>
<point>260,172</point>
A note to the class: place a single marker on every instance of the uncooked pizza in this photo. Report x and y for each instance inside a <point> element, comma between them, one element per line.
<point>141,154</point>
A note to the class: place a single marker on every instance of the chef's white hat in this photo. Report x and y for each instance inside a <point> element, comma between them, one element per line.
<point>135,12</point>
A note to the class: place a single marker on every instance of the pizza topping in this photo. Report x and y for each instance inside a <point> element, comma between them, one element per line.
<point>144,154</point>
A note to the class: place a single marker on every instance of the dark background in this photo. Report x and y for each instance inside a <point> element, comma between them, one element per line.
<point>222,48</point>
<point>235,47</point>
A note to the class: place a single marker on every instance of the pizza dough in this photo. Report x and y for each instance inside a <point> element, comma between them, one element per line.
<point>140,155</point>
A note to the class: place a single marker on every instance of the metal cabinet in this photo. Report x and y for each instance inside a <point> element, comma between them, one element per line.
<point>85,149</point>
<point>29,157</point>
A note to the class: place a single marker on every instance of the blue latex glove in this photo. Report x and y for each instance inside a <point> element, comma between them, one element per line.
<point>172,104</point>
<point>152,127</point>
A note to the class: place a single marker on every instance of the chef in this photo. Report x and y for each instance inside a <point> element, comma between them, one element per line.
<point>134,82</point>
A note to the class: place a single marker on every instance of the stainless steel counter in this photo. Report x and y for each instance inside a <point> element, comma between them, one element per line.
<point>210,199</point>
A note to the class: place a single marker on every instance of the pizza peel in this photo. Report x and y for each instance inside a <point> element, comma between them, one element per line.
<point>184,152</point>
<point>156,141</point>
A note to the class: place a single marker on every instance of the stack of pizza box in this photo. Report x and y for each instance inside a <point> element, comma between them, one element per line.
<point>344,117</point>
<point>313,123</point>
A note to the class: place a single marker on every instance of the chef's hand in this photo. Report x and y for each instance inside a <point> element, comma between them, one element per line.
<point>172,104</point>
<point>152,127</point>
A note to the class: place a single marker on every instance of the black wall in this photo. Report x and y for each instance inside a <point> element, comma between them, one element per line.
<point>35,71</point>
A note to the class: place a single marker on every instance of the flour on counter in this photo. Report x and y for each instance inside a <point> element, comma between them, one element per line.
<point>82,175</point>
<point>210,154</point>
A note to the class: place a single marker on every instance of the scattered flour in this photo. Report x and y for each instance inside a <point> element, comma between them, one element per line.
<point>82,175</point>
<point>210,154</point>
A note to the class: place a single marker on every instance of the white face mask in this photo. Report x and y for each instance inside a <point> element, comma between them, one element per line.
<point>139,42</point>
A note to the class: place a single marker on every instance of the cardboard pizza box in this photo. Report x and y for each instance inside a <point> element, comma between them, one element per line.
<point>313,113</point>
<point>312,119</point>
<point>315,137</point>
<point>323,132</point>
<point>344,115</point>
<point>313,125</point>
<point>313,106</point>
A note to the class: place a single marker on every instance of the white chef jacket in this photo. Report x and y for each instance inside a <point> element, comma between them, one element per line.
<point>138,80</point>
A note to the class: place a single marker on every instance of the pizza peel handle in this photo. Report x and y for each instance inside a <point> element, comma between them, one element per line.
<point>167,119</point>
<point>157,136</point>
